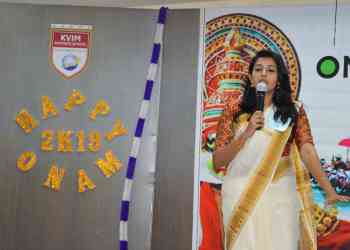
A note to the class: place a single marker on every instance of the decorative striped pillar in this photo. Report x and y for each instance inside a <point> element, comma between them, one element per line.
<point>152,70</point>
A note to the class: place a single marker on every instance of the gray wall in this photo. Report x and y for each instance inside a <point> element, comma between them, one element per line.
<point>31,216</point>
<point>172,220</point>
<point>35,218</point>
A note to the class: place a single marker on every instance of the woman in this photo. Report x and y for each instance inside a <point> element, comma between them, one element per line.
<point>266,199</point>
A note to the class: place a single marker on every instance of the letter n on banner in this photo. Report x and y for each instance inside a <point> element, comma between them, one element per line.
<point>55,177</point>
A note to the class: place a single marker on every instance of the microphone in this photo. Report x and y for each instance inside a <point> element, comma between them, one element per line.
<point>261,89</point>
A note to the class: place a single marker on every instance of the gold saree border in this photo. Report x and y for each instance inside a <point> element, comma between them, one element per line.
<point>307,225</point>
<point>281,170</point>
<point>256,186</point>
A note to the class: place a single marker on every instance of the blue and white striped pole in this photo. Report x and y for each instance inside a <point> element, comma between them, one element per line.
<point>152,70</point>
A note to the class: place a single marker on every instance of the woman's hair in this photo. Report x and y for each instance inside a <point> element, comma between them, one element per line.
<point>282,98</point>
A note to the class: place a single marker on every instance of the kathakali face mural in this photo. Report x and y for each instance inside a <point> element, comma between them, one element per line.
<point>230,43</point>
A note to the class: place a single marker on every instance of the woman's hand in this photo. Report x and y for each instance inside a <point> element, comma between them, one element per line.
<point>256,121</point>
<point>334,197</point>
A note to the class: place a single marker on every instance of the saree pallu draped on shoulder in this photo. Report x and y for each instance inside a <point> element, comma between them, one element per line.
<point>249,176</point>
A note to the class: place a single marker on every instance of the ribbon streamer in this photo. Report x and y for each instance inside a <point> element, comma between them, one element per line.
<point>152,70</point>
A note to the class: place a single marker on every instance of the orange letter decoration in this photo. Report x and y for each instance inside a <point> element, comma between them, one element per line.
<point>84,182</point>
<point>110,165</point>
<point>55,177</point>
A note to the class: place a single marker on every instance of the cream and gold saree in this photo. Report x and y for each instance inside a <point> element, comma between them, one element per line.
<point>266,201</point>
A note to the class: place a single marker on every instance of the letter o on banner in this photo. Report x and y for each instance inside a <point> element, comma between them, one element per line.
<point>26,161</point>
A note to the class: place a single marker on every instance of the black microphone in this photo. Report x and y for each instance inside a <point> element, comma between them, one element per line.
<point>261,89</point>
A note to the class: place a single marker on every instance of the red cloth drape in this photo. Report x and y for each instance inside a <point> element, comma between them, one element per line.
<point>210,217</point>
<point>337,240</point>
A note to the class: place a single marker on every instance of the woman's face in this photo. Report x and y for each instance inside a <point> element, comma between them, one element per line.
<point>265,70</point>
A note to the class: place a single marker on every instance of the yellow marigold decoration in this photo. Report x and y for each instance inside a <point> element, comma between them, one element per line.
<point>48,108</point>
<point>55,177</point>
<point>81,140</point>
<point>26,121</point>
<point>117,130</point>
<point>46,140</point>
<point>64,141</point>
<point>325,219</point>
<point>84,182</point>
<point>94,141</point>
<point>75,99</point>
<point>101,108</point>
<point>26,161</point>
<point>110,165</point>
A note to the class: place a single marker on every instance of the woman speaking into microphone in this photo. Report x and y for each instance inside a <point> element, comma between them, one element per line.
<point>268,153</point>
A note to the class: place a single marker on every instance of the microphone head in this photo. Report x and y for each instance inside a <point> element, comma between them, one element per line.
<point>261,87</point>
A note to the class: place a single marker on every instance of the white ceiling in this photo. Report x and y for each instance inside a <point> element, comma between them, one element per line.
<point>174,4</point>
